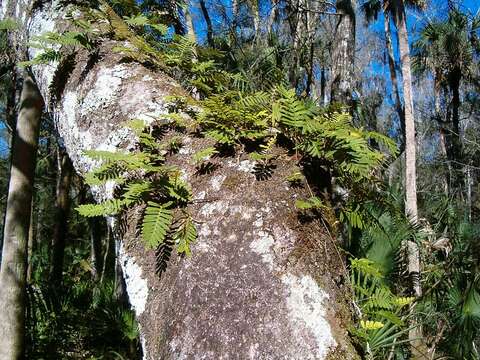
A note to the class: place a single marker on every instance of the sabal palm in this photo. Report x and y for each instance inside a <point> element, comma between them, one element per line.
<point>448,49</point>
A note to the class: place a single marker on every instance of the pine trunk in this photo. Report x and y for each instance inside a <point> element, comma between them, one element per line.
<point>13,271</point>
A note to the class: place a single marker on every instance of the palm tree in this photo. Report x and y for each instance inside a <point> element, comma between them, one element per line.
<point>447,49</point>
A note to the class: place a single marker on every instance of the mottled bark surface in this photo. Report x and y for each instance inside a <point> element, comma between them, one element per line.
<point>343,54</point>
<point>13,272</point>
<point>262,283</point>
<point>62,209</point>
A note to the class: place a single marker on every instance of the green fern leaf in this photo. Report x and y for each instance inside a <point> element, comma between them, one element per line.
<point>185,236</point>
<point>109,207</point>
<point>157,220</point>
<point>203,155</point>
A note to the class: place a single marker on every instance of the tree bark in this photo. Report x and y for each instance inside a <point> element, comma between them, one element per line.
<point>442,137</point>
<point>31,241</point>
<point>254,6</point>
<point>251,288</point>
<point>95,248</point>
<point>343,56</point>
<point>393,75</point>
<point>411,210</point>
<point>410,143</point>
<point>189,22</point>
<point>455,146</point>
<point>272,16</point>
<point>14,256</point>
<point>62,209</point>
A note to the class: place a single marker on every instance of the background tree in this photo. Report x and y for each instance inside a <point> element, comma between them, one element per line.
<point>13,270</point>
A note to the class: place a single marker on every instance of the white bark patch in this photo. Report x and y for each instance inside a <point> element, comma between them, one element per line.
<point>4,8</point>
<point>246,166</point>
<point>305,304</point>
<point>262,246</point>
<point>40,23</point>
<point>108,83</point>
<point>219,207</point>
<point>217,181</point>
<point>137,287</point>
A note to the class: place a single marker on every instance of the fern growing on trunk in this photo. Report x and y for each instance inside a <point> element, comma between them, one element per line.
<point>144,180</point>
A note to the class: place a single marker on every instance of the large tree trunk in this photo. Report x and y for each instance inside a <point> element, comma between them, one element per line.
<point>343,56</point>
<point>62,208</point>
<point>17,220</point>
<point>259,284</point>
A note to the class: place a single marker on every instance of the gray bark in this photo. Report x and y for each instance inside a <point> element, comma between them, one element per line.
<point>13,271</point>
<point>411,210</point>
<point>62,208</point>
<point>259,284</point>
<point>343,55</point>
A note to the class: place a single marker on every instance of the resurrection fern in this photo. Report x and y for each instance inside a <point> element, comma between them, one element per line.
<point>157,220</point>
<point>142,179</point>
<point>8,24</point>
<point>54,46</point>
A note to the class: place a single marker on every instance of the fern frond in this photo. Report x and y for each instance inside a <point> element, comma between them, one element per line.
<point>157,220</point>
<point>203,155</point>
<point>9,24</point>
<point>185,236</point>
<point>134,192</point>
<point>109,207</point>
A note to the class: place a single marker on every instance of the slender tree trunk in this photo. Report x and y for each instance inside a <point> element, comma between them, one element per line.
<point>393,74</point>
<point>61,217</point>
<point>256,19</point>
<point>411,210</point>
<point>95,247</point>
<point>31,241</point>
<point>323,87</point>
<point>443,142</point>
<point>456,142</point>
<point>310,33</point>
<point>468,173</point>
<point>233,24</point>
<point>189,22</point>
<point>272,16</point>
<point>410,145</point>
<point>208,21</point>
<point>343,56</point>
<point>14,260</point>
<point>294,19</point>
